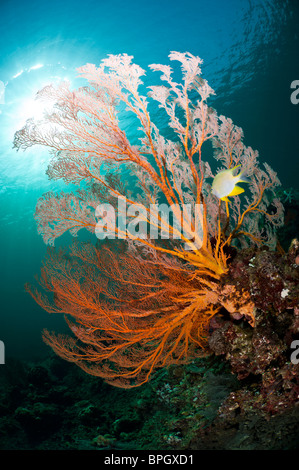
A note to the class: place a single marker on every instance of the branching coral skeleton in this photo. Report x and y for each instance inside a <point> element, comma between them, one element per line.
<point>151,305</point>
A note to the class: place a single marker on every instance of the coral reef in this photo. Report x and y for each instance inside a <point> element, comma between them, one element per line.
<point>242,395</point>
<point>150,305</point>
<point>207,322</point>
<point>262,354</point>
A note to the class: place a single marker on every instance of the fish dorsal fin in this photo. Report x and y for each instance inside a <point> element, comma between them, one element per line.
<point>234,167</point>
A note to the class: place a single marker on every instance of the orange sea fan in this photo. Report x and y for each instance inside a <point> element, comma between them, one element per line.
<point>128,317</point>
<point>150,304</point>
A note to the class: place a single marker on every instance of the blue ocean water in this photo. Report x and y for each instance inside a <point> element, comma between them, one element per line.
<point>250,52</point>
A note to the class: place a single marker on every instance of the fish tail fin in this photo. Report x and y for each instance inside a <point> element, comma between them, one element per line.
<point>243,178</point>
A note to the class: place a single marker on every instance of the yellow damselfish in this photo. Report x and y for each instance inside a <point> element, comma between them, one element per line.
<point>225,184</point>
